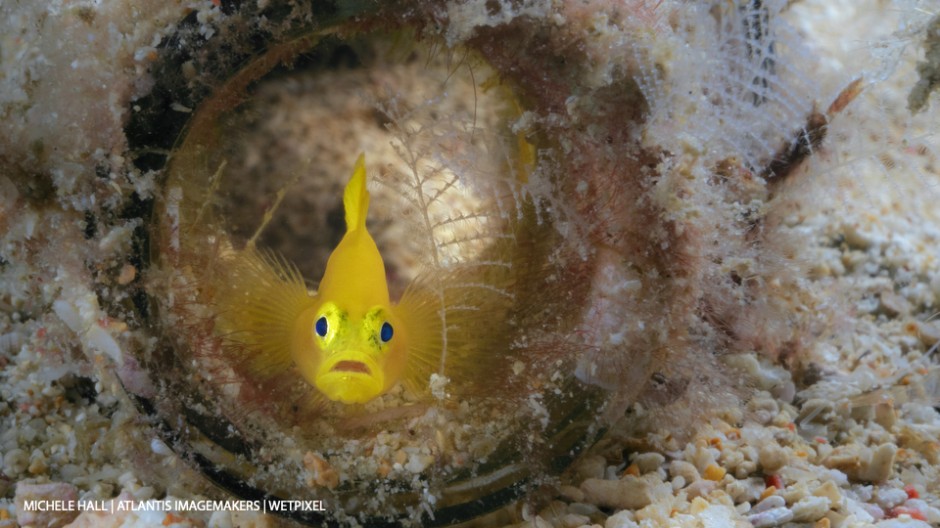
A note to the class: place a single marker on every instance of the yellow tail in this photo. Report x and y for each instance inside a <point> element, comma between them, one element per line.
<point>356,197</point>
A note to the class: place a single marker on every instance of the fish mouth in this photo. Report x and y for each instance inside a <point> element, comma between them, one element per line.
<point>351,366</point>
<point>353,377</point>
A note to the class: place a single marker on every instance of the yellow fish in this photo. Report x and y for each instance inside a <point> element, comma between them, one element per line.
<point>350,343</point>
<point>348,340</point>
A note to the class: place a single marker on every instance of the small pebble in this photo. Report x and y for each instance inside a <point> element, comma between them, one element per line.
<point>745,490</point>
<point>537,522</point>
<point>745,468</point>
<point>37,464</point>
<point>573,520</point>
<point>15,461</point>
<point>621,519</point>
<point>929,332</point>
<point>698,505</point>
<point>856,509</point>
<point>629,493</point>
<point>874,510</point>
<point>810,509</point>
<point>886,415</point>
<point>681,468</point>
<point>700,488</point>
<point>856,236</point>
<point>716,516</point>
<point>571,493</point>
<point>765,375</point>
<point>863,413</point>
<point>772,457</point>
<point>321,473</point>
<point>774,501</point>
<point>816,409</point>
<point>864,493</point>
<point>890,497</point>
<point>583,508</point>
<point>893,304</point>
<point>678,483</point>
<point>418,462</point>
<point>714,472</point>
<point>649,462</point>
<point>632,469</point>
<point>764,407</point>
<point>829,490</point>
<point>614,472</point>
<point>772,517</point>
<point>795,492</point>
<point>127,274</point>
<point>837,477</point>
<point>879,467</point>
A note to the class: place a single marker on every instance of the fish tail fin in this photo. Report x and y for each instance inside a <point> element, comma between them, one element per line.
<point>356,197</point>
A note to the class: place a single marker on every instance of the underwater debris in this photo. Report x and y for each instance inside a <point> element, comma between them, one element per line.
<point>471,306</point>
<point>486,240</point>
<point>810,137</point>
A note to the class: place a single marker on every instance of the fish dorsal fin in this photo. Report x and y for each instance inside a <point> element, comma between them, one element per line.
<point>355,271</point>
<point>356,197</point>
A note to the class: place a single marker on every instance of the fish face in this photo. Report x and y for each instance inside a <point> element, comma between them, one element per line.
<point>354,352</point>
<point>350,344</point>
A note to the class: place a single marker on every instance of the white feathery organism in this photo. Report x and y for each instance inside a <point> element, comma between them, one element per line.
<point>737,83</point>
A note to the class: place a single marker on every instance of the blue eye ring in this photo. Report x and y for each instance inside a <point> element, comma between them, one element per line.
<point>387,332</point>
<point>321,327</point>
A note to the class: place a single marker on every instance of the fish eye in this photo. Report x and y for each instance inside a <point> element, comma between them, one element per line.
<point>322,327</point>
<point>386,333</point>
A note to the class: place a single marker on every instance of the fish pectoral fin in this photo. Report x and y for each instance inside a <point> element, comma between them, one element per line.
<point>419,312</point>
<point>260,301</point>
